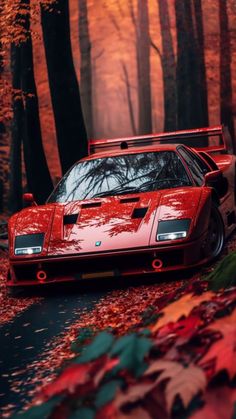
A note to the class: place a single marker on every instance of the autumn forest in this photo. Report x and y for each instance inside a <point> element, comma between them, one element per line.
<point>71,70</point>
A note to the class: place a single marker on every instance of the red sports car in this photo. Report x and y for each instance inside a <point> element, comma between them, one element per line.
<point>135,206</point>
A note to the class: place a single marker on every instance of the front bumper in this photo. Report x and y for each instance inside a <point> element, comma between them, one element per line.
<point>120,263</point>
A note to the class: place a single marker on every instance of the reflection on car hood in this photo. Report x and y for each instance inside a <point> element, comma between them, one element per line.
<point>108,223</point>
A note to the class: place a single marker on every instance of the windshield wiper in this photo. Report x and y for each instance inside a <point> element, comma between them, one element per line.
<point>156,181</point>
<point>117,191</point>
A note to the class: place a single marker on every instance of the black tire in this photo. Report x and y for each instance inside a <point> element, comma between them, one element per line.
<point>215,235</point>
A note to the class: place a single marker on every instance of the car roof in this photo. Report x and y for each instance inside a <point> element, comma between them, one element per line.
<point>134,150</point>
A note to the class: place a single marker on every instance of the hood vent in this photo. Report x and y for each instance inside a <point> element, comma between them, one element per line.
<point>91,205</point>
<point>70,219</point>
<point>139,212</point>
<point>127,200</point>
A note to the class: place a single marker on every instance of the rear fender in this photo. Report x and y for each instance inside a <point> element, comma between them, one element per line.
<point>203,213</point>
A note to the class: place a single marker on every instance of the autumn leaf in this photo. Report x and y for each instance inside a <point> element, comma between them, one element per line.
<point>109,411</point>
<point>99,346</point>
<point>234,413</point>
<point>83,413</point>
<point>183,328</point>
<point>179,308</point>
<point>70,378</point>
<point>134,393</point>
<point>41,411</point>
<point>107,393</point>
<point>183,381</point>
<point>219,404</point>
<point>223,351</point>
<point>131,350</point>
<point>224,276</point>
<point>137,413</point>
<point>107,366</point>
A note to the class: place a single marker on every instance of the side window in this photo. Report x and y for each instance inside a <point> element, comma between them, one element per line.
<point>196,171</point>
<point>209,160</point>
<point>203,166</point>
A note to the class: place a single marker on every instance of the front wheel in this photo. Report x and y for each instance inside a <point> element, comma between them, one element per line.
<point>215,235</point>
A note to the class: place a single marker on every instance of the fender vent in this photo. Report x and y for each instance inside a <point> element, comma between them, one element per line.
<point>91,205</point>
<point>70,219</point>
<point>127,200</point>
<point>139,212</point>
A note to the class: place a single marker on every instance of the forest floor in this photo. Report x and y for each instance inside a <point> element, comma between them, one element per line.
<point>9,306</point>
<point>164,327</point>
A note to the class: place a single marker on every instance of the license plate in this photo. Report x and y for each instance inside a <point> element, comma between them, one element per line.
<point>91,275</point>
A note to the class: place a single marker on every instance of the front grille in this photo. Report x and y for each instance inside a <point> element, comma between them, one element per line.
<point>129,262</point>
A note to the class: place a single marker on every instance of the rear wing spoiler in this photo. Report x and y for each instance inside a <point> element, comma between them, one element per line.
<point>211,140</point>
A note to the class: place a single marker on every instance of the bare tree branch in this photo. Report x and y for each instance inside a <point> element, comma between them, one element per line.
<point>120,8</point>
<point>98,55</point>
<point>129,97</point>
<point>132,14</point>
<point>156,48</point>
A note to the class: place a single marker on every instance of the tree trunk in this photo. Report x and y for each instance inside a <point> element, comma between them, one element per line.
<point>190,110</point>
<point>182,69</point>
<point>168,68</point>
<point>143,69</point>
<point>37,173</point>
<point>226,101</point>
<point>70,127</point>
<point>15,176</point>
<point>85,67</point>
<point>129,98</point>
<point>201,61</point>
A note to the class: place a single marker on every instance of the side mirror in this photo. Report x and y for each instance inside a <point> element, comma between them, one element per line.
<point>217,181</point>
<point>28,198</point>
<point>212,177</point>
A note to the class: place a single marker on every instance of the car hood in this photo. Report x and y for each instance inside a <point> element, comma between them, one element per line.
<point>108,223</point>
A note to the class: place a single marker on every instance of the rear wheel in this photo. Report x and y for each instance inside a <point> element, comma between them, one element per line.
<point>215,235</point>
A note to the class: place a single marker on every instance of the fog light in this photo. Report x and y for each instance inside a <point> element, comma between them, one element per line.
<point>172,236</point>
<point>28,250</point>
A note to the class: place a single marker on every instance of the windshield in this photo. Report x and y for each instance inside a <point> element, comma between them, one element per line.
<point>119,175</point>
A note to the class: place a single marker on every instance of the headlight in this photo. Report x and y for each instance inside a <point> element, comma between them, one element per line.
<point>29,244</point>
<point>173,229</point>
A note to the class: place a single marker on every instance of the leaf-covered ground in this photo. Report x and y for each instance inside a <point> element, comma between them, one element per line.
<point>152,351</point>
<point>10,306</point>
<point>176,358</point>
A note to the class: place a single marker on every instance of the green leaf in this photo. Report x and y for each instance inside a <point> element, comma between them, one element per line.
<point>99,346</point>
<point>145,332</point>
<point>85,334</point>
<point>224,275</point>
<point>107,393</point>
<point>131,349</point>
<point>234,412</point>
<point>83,413</point>
<point>42,411</point>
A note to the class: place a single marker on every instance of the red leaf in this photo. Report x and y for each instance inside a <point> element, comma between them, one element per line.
<point>183,328</point>
<point>109,411</point>
<point>179,308</point>
<point>223,351</point>
<point>109,364</point>
<point>70,378</point>
<point>219,404</point>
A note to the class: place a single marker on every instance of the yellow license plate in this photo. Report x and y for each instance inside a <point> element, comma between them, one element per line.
<point>105,274</point>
